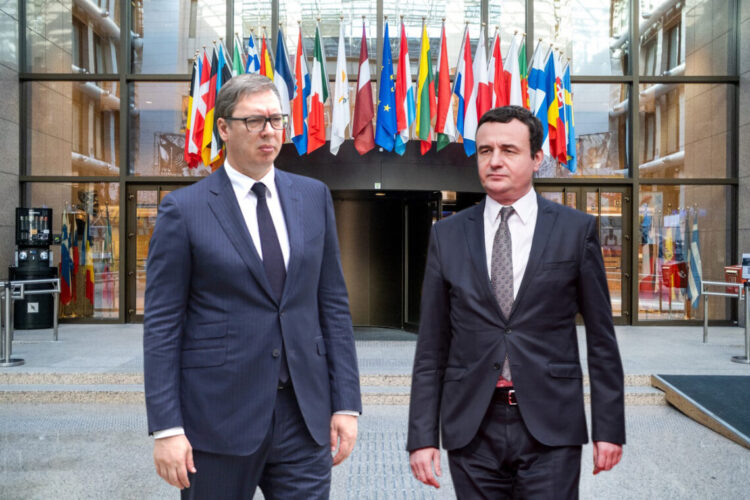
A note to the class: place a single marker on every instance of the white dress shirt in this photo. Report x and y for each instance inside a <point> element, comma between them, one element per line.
<point>521,225</point>
<point>248,202</point>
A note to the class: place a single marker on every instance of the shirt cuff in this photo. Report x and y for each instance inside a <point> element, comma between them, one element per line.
<point>347,412</point>
<point>172,431</point>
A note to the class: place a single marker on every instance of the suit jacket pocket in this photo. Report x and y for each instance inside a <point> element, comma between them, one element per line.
<point>565,370</point>
<point>453,373</point>
<point>207,331</point>
<point>202,358</point>
<point>562,265</point>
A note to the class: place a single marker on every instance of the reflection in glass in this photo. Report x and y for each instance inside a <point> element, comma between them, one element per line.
<point>666,216</point>
<point>600,116</point>
<point>684,38</point>
<point>91,214</point>
<point>592,34</point>
<point>157,129</point>
<point>684,131</point>
<point>80,38</point>
<point>74,128</point>
<point>168,33</point>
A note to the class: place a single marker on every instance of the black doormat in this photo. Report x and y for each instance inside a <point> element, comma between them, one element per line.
<point>720,402</point>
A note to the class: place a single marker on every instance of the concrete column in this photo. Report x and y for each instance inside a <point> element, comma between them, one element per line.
<point>744,134</point>
<point>9,131</point>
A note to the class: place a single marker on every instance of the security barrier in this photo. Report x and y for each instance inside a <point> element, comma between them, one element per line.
<point>742,293</point>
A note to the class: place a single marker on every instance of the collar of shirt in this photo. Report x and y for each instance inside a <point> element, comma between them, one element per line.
<point>242,184</point>
<point>525,207</point>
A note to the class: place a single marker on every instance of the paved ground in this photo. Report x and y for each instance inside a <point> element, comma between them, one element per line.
<point>66,450</point>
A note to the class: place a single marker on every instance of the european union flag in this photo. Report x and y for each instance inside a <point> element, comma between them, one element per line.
<point>386,128</point>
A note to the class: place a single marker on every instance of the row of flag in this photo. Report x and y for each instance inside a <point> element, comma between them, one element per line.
<point>480,84</point>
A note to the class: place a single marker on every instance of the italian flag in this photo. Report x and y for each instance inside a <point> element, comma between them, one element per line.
<point>316,121</point>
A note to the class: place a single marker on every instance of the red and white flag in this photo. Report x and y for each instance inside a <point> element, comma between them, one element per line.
<point>364,111</point>
<point>481,80</point>
<point>496,74</point>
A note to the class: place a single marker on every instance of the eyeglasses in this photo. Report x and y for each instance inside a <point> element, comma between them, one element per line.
<point>258,123</point>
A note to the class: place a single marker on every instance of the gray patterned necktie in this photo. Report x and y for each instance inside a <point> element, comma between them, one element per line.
<point>502,263</point>
<point>502,274</point>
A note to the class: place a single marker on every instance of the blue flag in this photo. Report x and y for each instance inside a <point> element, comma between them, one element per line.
<point>386,127</point>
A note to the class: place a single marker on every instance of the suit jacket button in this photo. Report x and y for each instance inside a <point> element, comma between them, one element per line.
<point>276,353</point>
<point>497,366</point>
<point>508,330</point>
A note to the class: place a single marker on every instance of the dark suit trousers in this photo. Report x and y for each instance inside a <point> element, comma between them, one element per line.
<point>505,461</point>
<point>288,465</point>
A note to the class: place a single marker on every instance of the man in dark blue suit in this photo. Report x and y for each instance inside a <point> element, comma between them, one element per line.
<point>250,367</point>
<point>497,368</point>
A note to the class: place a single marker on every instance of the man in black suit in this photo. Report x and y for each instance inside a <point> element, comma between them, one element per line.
<point>496,367</point>
<point>250,369</point>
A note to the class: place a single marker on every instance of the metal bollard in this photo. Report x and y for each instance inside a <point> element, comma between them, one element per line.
<point>746,358</point>
<point>7,337</point>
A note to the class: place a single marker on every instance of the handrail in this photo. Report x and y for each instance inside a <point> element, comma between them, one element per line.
<point>743,293</point>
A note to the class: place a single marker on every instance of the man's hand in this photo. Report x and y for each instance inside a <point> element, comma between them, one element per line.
<point>421,462</point>
<point>173,457</point>
<point>343,434</point>
<point>606,455</point>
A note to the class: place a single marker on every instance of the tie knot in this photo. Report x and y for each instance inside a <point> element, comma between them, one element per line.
<point>259,189</point>
<point>506,212</point>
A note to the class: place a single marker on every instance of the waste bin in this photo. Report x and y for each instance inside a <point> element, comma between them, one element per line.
<point>35,312</point>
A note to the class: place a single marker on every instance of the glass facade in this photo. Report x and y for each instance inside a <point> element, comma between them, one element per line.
<point>655,133</point>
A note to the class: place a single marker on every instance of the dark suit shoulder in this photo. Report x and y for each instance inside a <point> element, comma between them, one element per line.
<point>460,218</point>
<point>301,181</point>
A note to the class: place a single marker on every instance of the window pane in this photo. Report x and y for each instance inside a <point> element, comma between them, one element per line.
<point>592,33</point>
<point>687,38</point>
<point>157,129</point>
<point>92,209</point>
<point>77,37</point>
<point>169,32</point>
<point>686,130</point>
<point>600,122</point>
<point>667,215</point>
<point>74,128</point>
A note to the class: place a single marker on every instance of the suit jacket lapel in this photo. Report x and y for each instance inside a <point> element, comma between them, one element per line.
<point>545,221</point>
<point>291,204</point>
<point>227,211</point>
<point>475,239</point>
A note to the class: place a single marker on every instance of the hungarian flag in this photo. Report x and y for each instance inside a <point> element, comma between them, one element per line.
<point>405,107</point>
<point>266,67</point>
<point>282,77</point>
<point>316,121</point>
<point>362,131</point>
<point>299,101</point>
<point>239,61</point>
<point>208,128</point>
<point>426,106</point>
<point>253,60</point>
<point>340,116</point>
<point>444,126</point>
<point>496,74</point>
<point>192,151</point>
<point>200,100</point>
<point>462,88</point>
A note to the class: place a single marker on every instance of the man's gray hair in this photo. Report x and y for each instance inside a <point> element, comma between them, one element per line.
<point>238,88</point>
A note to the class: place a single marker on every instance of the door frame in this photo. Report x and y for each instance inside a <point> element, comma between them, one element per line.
<point>131,250</point>
<point>580,192</point>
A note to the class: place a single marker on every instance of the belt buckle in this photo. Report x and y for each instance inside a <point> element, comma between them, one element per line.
<point>512,398</point>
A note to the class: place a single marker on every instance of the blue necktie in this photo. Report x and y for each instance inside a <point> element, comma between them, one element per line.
<point>273,259</point>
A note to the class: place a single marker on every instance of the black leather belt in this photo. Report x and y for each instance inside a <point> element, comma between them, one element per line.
<point>505,395</point>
